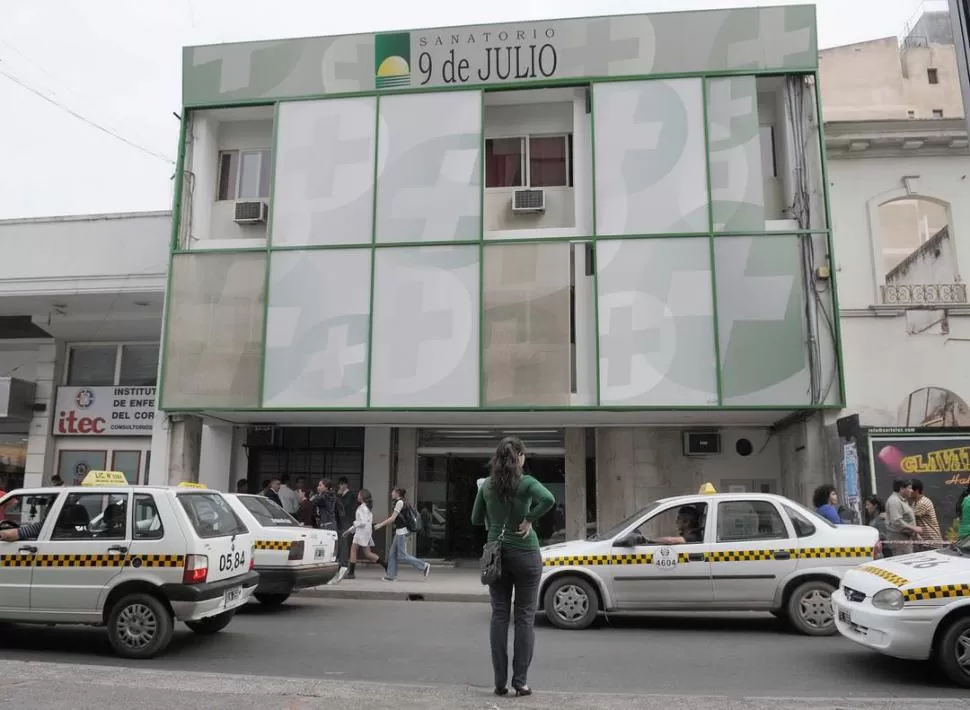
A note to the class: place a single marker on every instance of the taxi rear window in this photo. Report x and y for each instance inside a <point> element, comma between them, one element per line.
<point>267,513</point>
<point>211,515</point>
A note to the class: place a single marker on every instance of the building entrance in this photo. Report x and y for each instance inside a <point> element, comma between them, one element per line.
<point>447,486</point>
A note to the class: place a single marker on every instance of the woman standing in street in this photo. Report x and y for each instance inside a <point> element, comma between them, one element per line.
<point>363,532</point>
<point>512,502</point>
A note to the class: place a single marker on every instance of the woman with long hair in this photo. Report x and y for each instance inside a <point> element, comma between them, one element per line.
<point>511,502</point>
<point>363,532</point>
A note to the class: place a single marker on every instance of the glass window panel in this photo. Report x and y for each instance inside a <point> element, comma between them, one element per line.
<point>760,303</point>
<point>651,163</point>
<point>128,462</point>
<point>527,324</point>
<point>325,172</point>
<point>768,161</point>
<point>215,330</point>
<point>250,179</point>
<point>265,172</point>
<point>92,366</point>
<point>734,132</point>
<point>547,162</point>
<point>317,329</point>
<point>503,162</point>
<point>228,169</point>
<point>426,323</point>
<point>73,466</point>
<point>430,178</point>
<point>656,322</point>
<point>139,365</point>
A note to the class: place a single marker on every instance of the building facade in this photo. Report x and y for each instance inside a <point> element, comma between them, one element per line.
<point>80,316</point>
<point>900,214</point>
<point>608,236</point>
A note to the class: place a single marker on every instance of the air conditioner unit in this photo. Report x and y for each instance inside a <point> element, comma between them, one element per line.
<point>250,212</point>
<point>702,443</point>
<point>526,201</point>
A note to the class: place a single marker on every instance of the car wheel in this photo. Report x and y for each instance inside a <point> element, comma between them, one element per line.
<point>211,624</point>
<point>571,603</point>
<point>272,600</point>
<point>140,626</point>
<point>809,609</point>
<point>953,652</point>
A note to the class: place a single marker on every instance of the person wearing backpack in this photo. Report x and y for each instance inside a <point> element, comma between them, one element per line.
<point>405,520</point>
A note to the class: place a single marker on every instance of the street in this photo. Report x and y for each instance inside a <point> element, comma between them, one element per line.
<point>445,645</point>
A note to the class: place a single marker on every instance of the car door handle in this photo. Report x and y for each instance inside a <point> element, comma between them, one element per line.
<point>695,557</point>
<point>782,555</point>
<point>29,549</point>
<point>118,548</point>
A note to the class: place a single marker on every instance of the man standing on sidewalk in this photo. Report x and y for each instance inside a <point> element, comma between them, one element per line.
<point>345,508</point>
<point>926,520</point>
<point>900,519</point>
<point>403,518</point>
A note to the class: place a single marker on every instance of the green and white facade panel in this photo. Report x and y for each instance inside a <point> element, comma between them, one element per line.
<point>668,272</point>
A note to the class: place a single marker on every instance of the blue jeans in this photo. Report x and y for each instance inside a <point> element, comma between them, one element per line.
<point>521,571</point>
<point>399,551</point>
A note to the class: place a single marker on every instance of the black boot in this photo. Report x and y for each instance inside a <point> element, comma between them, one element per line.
<point>350,571</point>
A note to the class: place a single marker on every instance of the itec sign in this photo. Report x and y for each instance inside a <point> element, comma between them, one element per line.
<point>104,411</point>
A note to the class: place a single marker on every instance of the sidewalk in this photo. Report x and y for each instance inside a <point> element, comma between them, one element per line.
<point>444,584</point>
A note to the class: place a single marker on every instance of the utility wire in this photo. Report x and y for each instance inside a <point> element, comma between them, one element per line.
<point>86,120</point>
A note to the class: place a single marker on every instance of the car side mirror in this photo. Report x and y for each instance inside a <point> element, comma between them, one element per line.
<point>634,539</point>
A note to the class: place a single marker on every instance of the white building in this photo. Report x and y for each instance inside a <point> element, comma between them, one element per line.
<point>80,316</point>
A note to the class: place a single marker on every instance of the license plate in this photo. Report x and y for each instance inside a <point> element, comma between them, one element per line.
<point>232,595</point>
<point>845,617</point>
<point>320,553</point>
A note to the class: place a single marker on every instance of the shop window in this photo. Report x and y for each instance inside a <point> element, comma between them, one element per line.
<point>139,365</point>
<point>244,174</point>
<point>128,462</point>
<point>13,461</point>
<point>107,365</point>
<point>73,466</point>
<point>531,161</point>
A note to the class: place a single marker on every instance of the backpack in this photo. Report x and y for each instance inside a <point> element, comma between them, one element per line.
<point>412,521</point>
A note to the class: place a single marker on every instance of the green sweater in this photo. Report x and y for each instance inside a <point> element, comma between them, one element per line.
<point>964,517</point>
<point>532,500</point>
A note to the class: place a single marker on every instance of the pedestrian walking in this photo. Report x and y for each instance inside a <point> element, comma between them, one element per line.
<point>345,517</point>
<point>325,507</point>
<point>826,502</point>
<point>363,534</point>
<point>925,514</point>
<point>900,518</point>
<point>512,502</point>
<point>405,520</point>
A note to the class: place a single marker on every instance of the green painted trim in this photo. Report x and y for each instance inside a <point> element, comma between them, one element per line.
<point>233,250</point>
<point>373,244</point>
<point>710,245</point>
<point>326,247</point>
<point>781,408</point>
<point>836,312</point>
<point>596,261</point>
<point>173,244</point>
<point>269,255</point>
<point>577,81</point>
<point>481,257</point>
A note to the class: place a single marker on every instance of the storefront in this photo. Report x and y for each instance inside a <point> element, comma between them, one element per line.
<point>16,411</point>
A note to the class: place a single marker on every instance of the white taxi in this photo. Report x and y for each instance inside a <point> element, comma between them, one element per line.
<point>289,556</point>
<point>131,558</point>
<point>914,607</point>
<point>707,552</point>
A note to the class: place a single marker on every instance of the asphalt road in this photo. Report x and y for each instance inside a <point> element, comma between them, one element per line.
<point>440,644</point>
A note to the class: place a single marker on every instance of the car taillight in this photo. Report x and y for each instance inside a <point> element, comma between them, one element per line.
<point>297,549</point>
<point>252,559</point>
<point>877,550</point>
<point>196,569</point>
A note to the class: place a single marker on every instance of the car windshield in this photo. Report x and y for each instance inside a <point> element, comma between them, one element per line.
<point>961,547</point>
<point>211,515</point>
<point>267,513</point>
<point>624,524</point>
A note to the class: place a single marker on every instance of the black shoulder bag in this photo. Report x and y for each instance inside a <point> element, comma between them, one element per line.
<point>491,563</point>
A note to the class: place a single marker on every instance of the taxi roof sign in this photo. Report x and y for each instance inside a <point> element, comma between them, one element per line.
<point>105,478</point>
<point>707,489</point>
<point>191,484</point>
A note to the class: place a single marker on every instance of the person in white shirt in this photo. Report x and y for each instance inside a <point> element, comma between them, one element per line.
<point>363,532</point>
<point>288,497</point>
<point>399,546</point>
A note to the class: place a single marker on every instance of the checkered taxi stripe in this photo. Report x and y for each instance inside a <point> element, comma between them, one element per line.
<point>886,575</point>
<point>135,561</point>
<point>943,591</point>
<point>808,553</point>
<point>283,545</point>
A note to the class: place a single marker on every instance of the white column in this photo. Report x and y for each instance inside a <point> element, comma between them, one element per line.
<point>407,465</point>
<point>215,457</point>
<point>575,483</point>
<point>185,443</point>
<point>377,474</point>
<point>615,475</point>
<point>41,460</point>
<point>158,466</point>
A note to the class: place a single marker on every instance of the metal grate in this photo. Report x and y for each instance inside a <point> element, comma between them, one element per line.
<point>529,200</point>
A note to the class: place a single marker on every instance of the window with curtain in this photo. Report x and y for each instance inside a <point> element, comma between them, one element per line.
<point>533,161</point>
<point>504,162</point>
<point>548,162</point>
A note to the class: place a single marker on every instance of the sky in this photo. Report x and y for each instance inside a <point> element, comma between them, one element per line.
<point>89,89</point>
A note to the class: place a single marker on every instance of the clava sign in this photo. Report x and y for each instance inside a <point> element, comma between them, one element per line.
<point>105,478</point>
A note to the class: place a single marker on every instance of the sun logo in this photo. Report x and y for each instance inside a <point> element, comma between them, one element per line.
<point>392,57</point>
